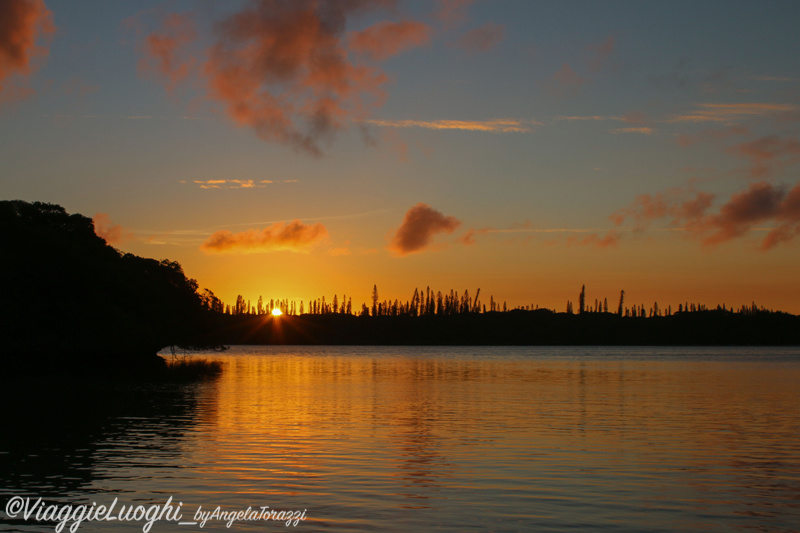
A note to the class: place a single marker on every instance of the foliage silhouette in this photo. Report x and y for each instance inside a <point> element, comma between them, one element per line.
<point>72,302</point>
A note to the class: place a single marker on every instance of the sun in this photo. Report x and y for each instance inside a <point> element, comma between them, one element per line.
<point>276,312</point>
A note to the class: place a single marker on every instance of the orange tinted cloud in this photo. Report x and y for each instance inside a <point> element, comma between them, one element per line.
<point>22,23</point>
<point>387,39</point>
<point>644,130</point>
<point>712,134</point>
<point>600,53</point>
<point>768,155</point>
<point>566,82</point>
<point>453,12</point>
<point>685,208</point>
<point>234,184</point>
<point>294,237</point>
<point>420,224</point>
<point>110,232</point>
<point>610,240</point>
<point>163,49</point>
<point>505,125</point>
<point>760,203</point>
<point>727,113</point>
<point>288,69</point>
<point>483,38</point>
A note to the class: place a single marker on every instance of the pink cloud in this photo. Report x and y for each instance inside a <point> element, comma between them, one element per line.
<point>761,203</point>
<point>609,240</point>
<point>683,207</point>
<point>711,134</point>
<point>163,51</point>
<point>566,82</point>
<point>483,38</point>
<point>453,12</point>
<point>288,70</point>
<point>386,39</point>
<point>294,237</point>
<point>110,232</point>
<point>22,24</point>
<point>768,155</point>
<point>420,224</point>
<point>600,53</point>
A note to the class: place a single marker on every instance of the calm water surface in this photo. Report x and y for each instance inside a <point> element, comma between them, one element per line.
<point>420,439</point>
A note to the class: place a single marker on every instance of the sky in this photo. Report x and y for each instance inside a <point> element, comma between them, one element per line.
<point>295,149</point>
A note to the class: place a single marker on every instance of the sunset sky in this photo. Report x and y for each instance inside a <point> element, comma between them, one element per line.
<point>294,149</point>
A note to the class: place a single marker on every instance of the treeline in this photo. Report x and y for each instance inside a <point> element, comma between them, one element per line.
<point>436,303</point>
<point>72,302</point>
<point>514,327</point>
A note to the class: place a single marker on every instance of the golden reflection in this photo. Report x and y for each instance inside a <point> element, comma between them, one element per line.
<point>342,425</point>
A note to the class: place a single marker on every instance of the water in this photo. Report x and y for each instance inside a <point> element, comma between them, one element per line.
<point>428,439</point>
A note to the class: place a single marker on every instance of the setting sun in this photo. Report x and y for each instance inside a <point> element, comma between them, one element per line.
<point>276,312</point>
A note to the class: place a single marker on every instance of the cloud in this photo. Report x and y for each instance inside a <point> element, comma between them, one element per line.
<point>610,240</point>
<point>110,232</point>
<point>483,38</point>
<point>453,12</point>
<point>420,224</point>
<point>600,53</point>
<point>760,203</point>
<point>22,23</point>
<point>588,118</point>
<point>768,155</point>
<point>566,82</point>
<point>684,207</point>
<point>711,134</point>
<point>469,236</point>
<point>341,250</point>
<point>288,70</point>
<point>235,184</point>
<point>386,39</point>
<point>643,130</point>
<point>294,237</point>
<point>492,126</point>
<point>728,113</point>
<point>163,50</point>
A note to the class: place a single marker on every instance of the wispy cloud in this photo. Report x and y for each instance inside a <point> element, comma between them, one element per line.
<point>768,155</point>
<point>287,70</point>
<point>600,53</point>
<point>235,184</point>
<point>162,50</point>
<point>729,113</point>
<point>453,12</point>
<point>711,134</point>
<point>483,38</point>
<point>644,130</point>
<point>566,82</point>
<point>387,39</point>
<point>294,237</point>
<point>491,126</point>
<point>745,211</point>
<point>587,118</point>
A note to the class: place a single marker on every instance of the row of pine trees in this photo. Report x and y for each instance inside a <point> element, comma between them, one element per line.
<point>428,303</point>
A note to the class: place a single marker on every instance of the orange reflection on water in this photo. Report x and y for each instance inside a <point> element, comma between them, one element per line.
<point>366,430</point>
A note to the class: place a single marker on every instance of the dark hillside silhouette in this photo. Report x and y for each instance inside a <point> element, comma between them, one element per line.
<point>71,301</point>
